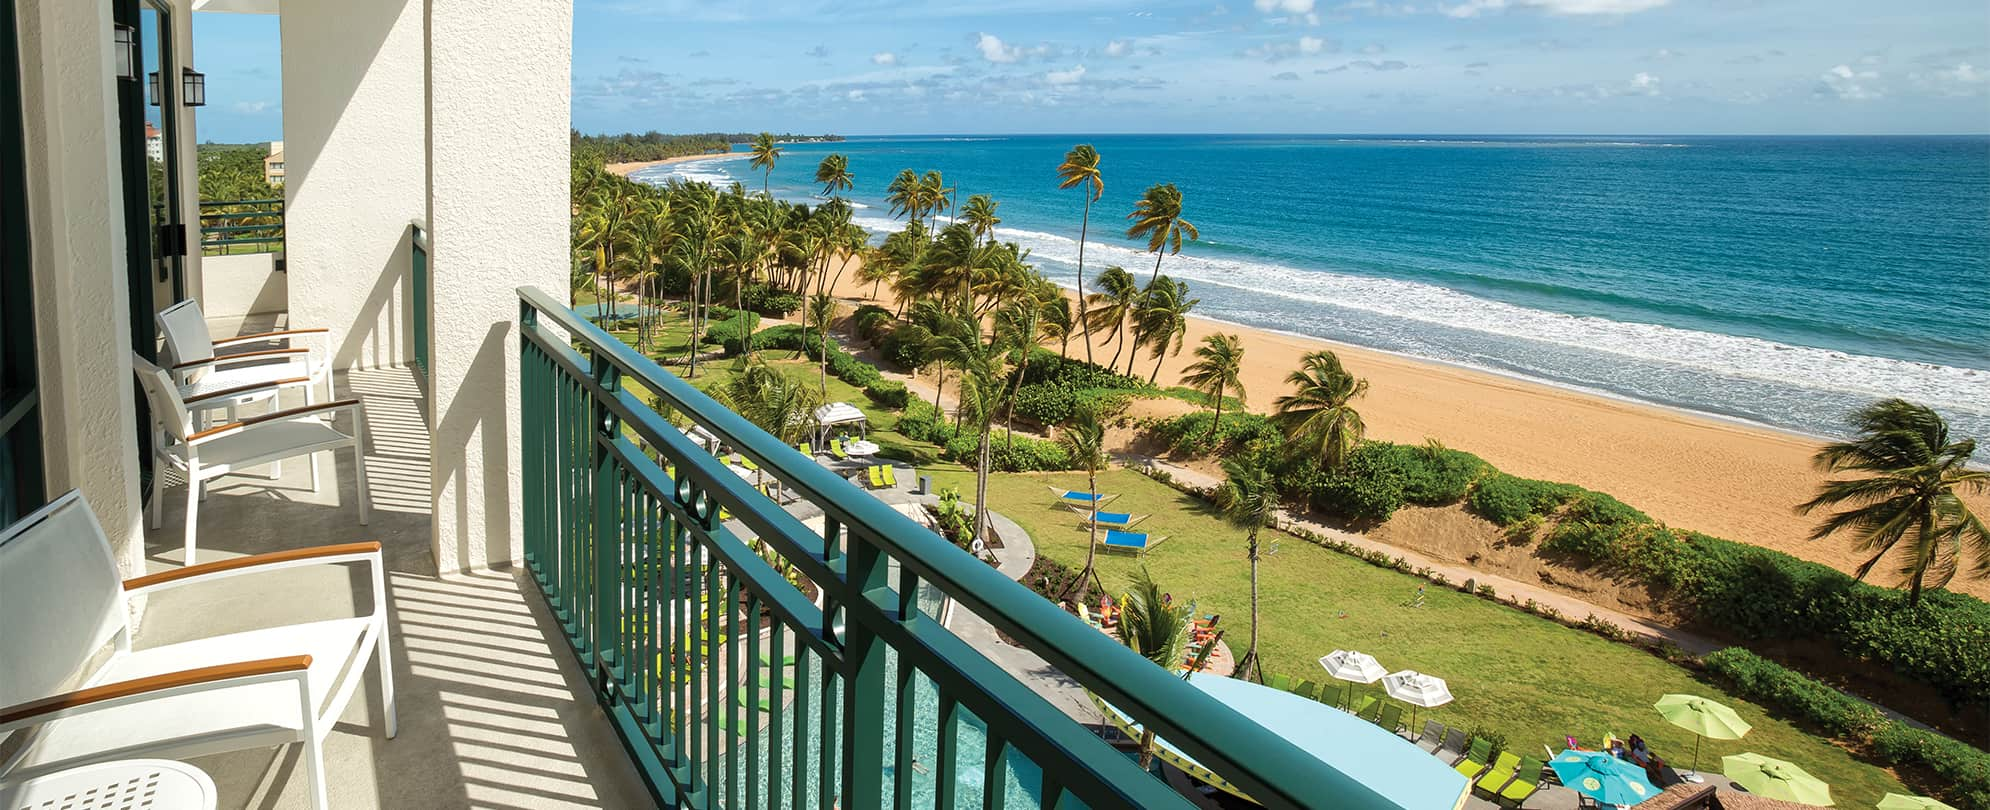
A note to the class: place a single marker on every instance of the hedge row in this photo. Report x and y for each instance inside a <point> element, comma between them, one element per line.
<point>1964,769</point>
<point>1007,452</point>
<point>769,300</point>
<point>1190,435</point>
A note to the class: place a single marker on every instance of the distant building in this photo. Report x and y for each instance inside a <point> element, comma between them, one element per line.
<point>155,143</point>
<point>273,165</point>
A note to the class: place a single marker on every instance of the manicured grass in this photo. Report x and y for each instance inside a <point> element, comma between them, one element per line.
<point>1525,677</point>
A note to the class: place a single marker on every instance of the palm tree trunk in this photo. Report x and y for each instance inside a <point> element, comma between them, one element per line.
<point>1160,356</point>
<point>1250,658</point>
<point>1157,267</point>
<point>1146,749</point>
<point>739,311</point>
<point>1084,228</point>
<point>981,485</point>
<point>1009,419</point>
<point>1218,420</point>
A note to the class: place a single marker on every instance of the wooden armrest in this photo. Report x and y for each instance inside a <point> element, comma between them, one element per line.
<point>155,683</point>
<point>287,413</point>
<point>230,358</point>
<point>238,563</point>
<point>245,389</point>
<point>263,336</point>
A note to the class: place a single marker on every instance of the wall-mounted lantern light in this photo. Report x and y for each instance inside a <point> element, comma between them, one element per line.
<point>193,87</point>
<point>125,38</point>
<point>152,80</point>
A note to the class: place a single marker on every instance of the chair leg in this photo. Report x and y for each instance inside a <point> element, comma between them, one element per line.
<point>314,473</point>
<point>193,509</point>
<point>155,511</point>
<point>359,480</point>
<point>314,753</point>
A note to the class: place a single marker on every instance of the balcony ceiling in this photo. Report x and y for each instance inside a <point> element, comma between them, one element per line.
<point>237,6</point>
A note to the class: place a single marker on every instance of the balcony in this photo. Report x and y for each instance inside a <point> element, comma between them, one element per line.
<point>641,655</point>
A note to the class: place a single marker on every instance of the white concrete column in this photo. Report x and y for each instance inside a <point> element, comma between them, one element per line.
<point>82,315</point>
<point>354,160</point>
<point>499,94</point>
<point>186,153</point>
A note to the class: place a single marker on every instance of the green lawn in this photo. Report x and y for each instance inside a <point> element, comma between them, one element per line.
<point>1526,677</point>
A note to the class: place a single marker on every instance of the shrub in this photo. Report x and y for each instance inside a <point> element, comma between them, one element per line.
<point>1758,678</point>
<point>889,393</point>
<point>1007,453</point>
<point>786,337</point>
<point>1046,403</point>
<point>1965,769</point>
<point>731,331</point>
<point>923,422</point>
<point>1506,499</point>
<point>1046,366</point>
<point>1431,476</point>
<point>870,321</point>
<point>1189,435</point>
<point>904,346</point>
<point>769,300</point>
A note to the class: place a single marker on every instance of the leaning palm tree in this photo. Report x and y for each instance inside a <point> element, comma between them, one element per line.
<point>1157,629</point>
<point>820,311</point>
<point>903,195</point>
<point>1161,320</point>
<point>1914,476</point>
<point>979,214</point>
<point>1218,367</point>
<point>1081,168</point>
<point>834,175</point>
<point>1084,440</point>
<point>1318,416</point>
<point>1111,306</point>
<point>771,400</point>
<point>1249,497</point>
<point>1158,217</point>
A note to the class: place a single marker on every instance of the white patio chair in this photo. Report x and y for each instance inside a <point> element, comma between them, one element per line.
<point>250,442</point>
<point>198,370</point>
<point>70,705</point>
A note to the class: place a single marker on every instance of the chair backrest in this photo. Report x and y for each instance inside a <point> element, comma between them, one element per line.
<point>1330,694</point>
<point>64,600</point>
<point>164,396</point>
<point>1392,716</point>
<point>1433,730</point>
<point>1305,687</point>
<point>1455,740</point>
<point>1481,750</point>
<point>1506,763</point>
<point>1530,771</point>
<point>185,330</point>
<point>1279,682</point>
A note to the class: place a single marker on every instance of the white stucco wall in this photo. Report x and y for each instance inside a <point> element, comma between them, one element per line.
<point>498,173</point>
<point>353,111</point>
<point>82,320</point>
<point>243,284</point>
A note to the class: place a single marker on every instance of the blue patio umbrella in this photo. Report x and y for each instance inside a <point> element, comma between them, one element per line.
<point>1603,777</point>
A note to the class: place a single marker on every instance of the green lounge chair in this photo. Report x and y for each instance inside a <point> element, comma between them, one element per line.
<point>889,475</point>
<point>1474,762</point>
<point>806,450</point>
<point>836,450</point>
<point>748,463</point>
<point>1391,719</point>
<point>1280,682</point>
<point>877,478</point>
<point>1331,694</point>
<point>1525,782</point>
<point>1305,689</point>
<point>1358,704</point>
<point>1498,775</point>
<point>1372,712</point>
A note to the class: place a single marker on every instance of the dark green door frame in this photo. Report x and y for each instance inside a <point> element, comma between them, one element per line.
<point>21,471</point>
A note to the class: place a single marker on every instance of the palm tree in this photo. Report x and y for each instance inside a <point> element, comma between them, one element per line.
<point>1157,629</point>
<point>1112,305</point>
<point>1912,492</point>
<point>821,310</point>
<point>933,191</point>
<point>771,400</point>
<point>1161,320</point>
<point>1218,367</point>
<point>766,152</point>
<point>979,213</point>
<point>1081,168</point>
<point>1019,327</point>
<point>903,194</point>
<point>1084,441</point>
<point>1158,217</point>
<point>1057,323</point>
<point>1318,415</point>
<point>834,175</point>
<point>1249,497</point>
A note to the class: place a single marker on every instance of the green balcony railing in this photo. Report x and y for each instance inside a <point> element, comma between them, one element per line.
<point>241,226</point>
<point>419,289</point>
<point>748,657</point>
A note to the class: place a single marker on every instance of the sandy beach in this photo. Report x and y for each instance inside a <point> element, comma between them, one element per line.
<point>625,169</point>
<point>1729,479</point>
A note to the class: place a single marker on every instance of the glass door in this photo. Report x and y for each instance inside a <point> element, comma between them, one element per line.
<point>162,170</point>
<point>21,485</point>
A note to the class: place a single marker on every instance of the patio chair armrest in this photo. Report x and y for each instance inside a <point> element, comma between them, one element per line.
<point>264,337</point>
<point>252,388</point>
<point>288,558</point>
<point>231,428</point>
<point>265,354</point>
<point>187,680</point>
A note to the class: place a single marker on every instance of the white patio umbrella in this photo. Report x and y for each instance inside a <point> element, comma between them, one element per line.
<point>1348,665</point>
<point>1417,689</point>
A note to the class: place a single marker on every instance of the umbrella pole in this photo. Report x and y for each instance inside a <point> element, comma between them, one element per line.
<point>1694,775</point>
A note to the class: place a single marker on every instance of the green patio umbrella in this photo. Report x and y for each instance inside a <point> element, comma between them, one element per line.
<point>1704,718</point>
<point>1902,801</point>
<point>1776,779</point>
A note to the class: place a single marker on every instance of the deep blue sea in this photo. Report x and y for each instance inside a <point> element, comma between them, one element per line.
<point>1784,281</point>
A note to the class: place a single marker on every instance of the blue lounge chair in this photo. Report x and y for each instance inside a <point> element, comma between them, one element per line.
<point>1075,496</point>
<point>1136,542</point>
<point>1108,520</point>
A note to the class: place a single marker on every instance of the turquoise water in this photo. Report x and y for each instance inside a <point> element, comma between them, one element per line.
<point>1780,280</point>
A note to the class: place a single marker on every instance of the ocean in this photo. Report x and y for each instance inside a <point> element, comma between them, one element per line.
<point>1783,281</point>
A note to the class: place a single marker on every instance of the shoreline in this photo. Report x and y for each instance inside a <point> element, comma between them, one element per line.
<point>1724,476</point>
<point>626,169</point>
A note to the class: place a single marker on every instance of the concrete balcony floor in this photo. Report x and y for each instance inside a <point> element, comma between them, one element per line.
<point>493,710</point>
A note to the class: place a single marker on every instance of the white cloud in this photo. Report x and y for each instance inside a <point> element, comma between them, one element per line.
<point>1065,77</point>
<point>1644,81</point>
<point>1284,6</point>
<point>993,49</point>
<point>1288,49</point>
<point>1846,83</point>
<point>1311,45</point>
<point>259,107</point>
<point>1473,8</point>
<point>1118,48</point>
<point>886,58</point>
<point>855,95</point>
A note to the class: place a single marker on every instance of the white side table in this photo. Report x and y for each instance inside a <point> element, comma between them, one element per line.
<point>127,784</point>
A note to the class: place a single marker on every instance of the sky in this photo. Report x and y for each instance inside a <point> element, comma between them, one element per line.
<point>858,67</point>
